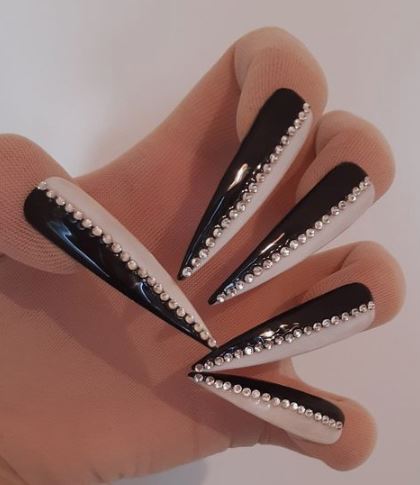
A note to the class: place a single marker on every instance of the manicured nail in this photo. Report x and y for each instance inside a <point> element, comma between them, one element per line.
<point>340,198</point>
<point>322,321</point>
<point>294,411</point>
<point>79,225</point>
<point>275,138</point>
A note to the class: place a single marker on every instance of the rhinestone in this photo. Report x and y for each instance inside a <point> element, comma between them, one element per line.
<point>237,389</point>
<point>152,281</point>
<point>302,116</point>
<point>198,377</point>
<point>335,211</point>
<point>356,191</point>
<point>351,198</point>
<point>293,245</point>
<point>116,248</point>
<point>363,308</point>
<point>342,204</point>
<point>124,256</point>
<point>297,333</point>
<point>335,320</point>
<point>297,123</point>
<point>50,194</point>
<point>326,323</point>
<point>219,360</point>
<point>317,327</point>
<point>164,296</point>
<point>278,340</point>
<point>187,272</point>
<point>210,380</point>
<point>294,406</point>
<point>132,265</point>
<point>198,327</point>
<point>291,130</point>
<point>308,330</point>
<point>204,335</point>
<point>199,368</point>
<point>259,347</point>
<point>78,215</point>
<point>318,225</point>
<point>86,223</point>
<point>339,425</point>
<point>204,253</point>
<point>255,394</point>
<point>301,409</point>
<point>285,403</point>
<point>310,232</point>
<point>142,273</point>
<point>158,288</point>
<point>227,386</point>
<point>275,402</point>
<point>231,292</point>
<point>306,107</point>
<point>302,238</point>
<point>180,312</point>
<point>189,318</point>
<point>97,231</point>
<point>257,270</point>
<point>210,242</point>
<point>107,239</point>
<point>196,262</point>
<point>253,188</point>
<point>241,207</point>
<point>233,214</point>
<point>228,357</point>
<point>266,397</point>
<point>238,354</point>
<point>371,305</point>
<point>332,423</point>
<point>69,208</point>
<point>239,285</point>
<point>42,185</point>
<point>225,222</point>
<point>345,317</point>
<point>220,298</point>
<point>289,338</point>
<point>60,201</point>
<point>325,419</point>
<point>248,350</point>
<point>246,391</point>
<point>274,157</point>
<point>247,197</point>
<point>284,140</point>
<point>318,416</point>
<point>211,342</point>
<point>172,304</point>
<point>217,232</point>
<point>276,257</point>
<point>326,219</point>
<point>249,278</point>
<point>268,344</point>
<point>309,413</point>
<point>355,312</point>
<point>362,186</point>
<point>218,384</point>
<point>267,168</point>
<point>284,251</point>
<point>267,264</point>
<point>278,149</point>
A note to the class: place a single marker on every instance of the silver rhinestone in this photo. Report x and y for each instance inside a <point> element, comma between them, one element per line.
<point>233,214</point>
<point>180,312</point>
<point>302,116</point>
<point>332,423</point>
<point>164,296</point>
<point>78,215</point>
<point>356,191</point>
<point>247,197</point>
<point>237,388</point>
<point>355,312</point>
<point>308,330</point>
<point>50,194</point>
<point>189,318</point>
<point>284,140</point>
<point>210,380</point>
<point>116,248</point>
<point>42,185</point>
<point>69,208</point>
<point>325,419</point>
<point>199,367</point>
<point>239,285</point>
<point>143,273</point>
<point>278,340</point>
<point>294,406</point>
<point>231,292</point>
<point>326,323</point>
<point>220,298</point>
<point>257,270</point>
<point>219,360</point>
<point>86,223</point>
<point>268,344</point>
<point>210,242</point>
<point>198,327</point>
<point>246,391</point>
<point>267,168</point>
<point>278,149</point>
<point>172,304</point>
<point>342,204</point>
<point>362,186</point>
<point>225,222</point>
<point>196,262</point>
<point>187,272</point>
<point>297,333</point>
<point>266,397</point>
<point>291,130</point>
<point>284,251</point>
<point>248,350</point>
<point>249,278</point>
<point>289,338</point>
<point>253,188</point>
<point>351,198</point>
<point>363,308</point>
<point>158,288</point>
<point>97,231</point>
<point>204,253</point>
<point>318,416</point>
<point>204,335</point>
<point>301,409</point>
<point>339,425</point>
<point>326,219</point>
<point>310,232</point>
<point>256,394</point>
<point>107,239</point>
<point>267,264</point>
<point>198,377</point>
<point>317,327</point>
<point>371,305</point>
<point>124,256</point>
<point>152,281</point>
<point>345,317</point>
<point>306,107</point>
<point>302,238</point>
<point>297,123</point>
<point>274,157</point>
<point>60,201</point>
<point>241,207</point>
<point>259,347</point>
<point>285,403</point>
<point>132,265</point>
<point>275,257</point>
<point>335,320</point>
<point>238,353</point>
<point>293,245</point>
<point>227,386</point>
<point>335,211</point>
<point>217,232</point>
<point>318,225</point>
<point>218,384</point>
<point>228,357</point>
<point>275,402</point>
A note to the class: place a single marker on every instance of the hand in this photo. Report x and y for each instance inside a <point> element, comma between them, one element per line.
<point>93,387</point>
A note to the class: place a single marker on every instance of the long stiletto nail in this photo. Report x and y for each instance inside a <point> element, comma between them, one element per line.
<point>326,211</point>
<point>296,412</point>
<point>79,225</point>
<point>316,323</point>
<point>271,145</point>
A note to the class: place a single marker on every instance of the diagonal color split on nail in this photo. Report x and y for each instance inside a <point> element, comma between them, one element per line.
<point>273,142</point>
<point>340,198</point>
<point>294,411</point>
<point>79,225</point>
<point>331,317</point>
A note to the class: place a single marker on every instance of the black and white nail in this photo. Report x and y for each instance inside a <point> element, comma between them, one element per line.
<point>331,317</point>
<point>80,226</point>
<point>340,198</point>
<point>294,411</point>
<point>273,142</point>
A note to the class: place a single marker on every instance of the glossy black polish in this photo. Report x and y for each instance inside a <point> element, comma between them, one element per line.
<point>281,114</point>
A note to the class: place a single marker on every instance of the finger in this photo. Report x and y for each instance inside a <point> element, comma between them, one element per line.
<point>367,290</point>
<point>278,78</point>
<point>353,168</point>
<point>23,165</point>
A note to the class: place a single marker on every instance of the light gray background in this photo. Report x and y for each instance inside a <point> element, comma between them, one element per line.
<point>87,78</point>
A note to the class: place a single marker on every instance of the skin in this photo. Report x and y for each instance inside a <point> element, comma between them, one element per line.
<point>93,387</point>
